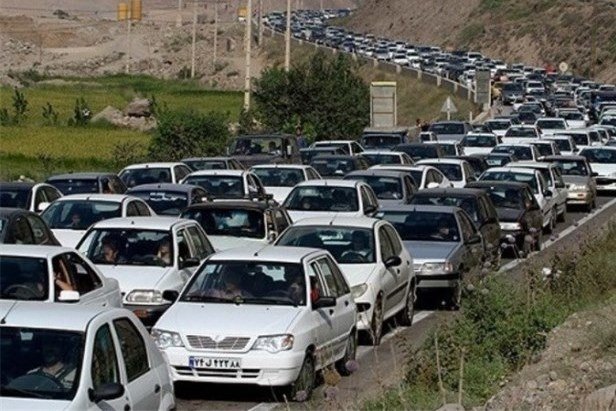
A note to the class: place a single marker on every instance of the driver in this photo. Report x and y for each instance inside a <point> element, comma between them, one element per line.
<point>444,232</point>
<point>164,252</point>
<point>295,281</point>
<point>360,245</point>
<point>53,366</point>
<point>231,286</point>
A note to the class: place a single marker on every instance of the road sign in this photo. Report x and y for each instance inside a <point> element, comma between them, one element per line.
<point>563,67</point>
<point>483,89</point>
<point>449,107</point>
<point>383,104</point>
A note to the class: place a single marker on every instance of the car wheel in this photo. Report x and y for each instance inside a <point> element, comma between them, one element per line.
<point>405,317</point>
<point>376,325</point>
<point>349,355</point>
<point>302,388</point>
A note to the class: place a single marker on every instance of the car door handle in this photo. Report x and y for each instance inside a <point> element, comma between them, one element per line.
<point>157,388</point>
<point>346,303</point>
<point>331,312</point>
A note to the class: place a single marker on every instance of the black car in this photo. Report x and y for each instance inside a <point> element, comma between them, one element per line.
<point>212,163</point>
<point>18,226</point>
<point>520,216</point>
<point>479,207</point>
<point>337,166</point>
<point>84,183</point>
<point>169,199</point>
<point>307,154</point>
<point>527,117</point>
<point>420,151</point>
<point>28,196</point>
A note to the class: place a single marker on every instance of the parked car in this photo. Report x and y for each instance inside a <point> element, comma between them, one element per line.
<point>169,199</point>
<point>419,151</point>
<point>377,267</point>
<point>337,166</point>
<point>579,179</point>
<point>390,187</point>
<point>450,130</point>
<point>479,143</point>
<point>91,183</point>
<point>228,184</point>
<point>147,256</point>
<point>98,368</point>
<point>279,179</point>
<point>602,160</point>
<point>53,274</point>
<point>458,172</point>
<point>212,163</point>
<point>386,157</point>
<point>261,316</point>
<point>150,173</point>
<point>19,226</point>
<point>33,197</point>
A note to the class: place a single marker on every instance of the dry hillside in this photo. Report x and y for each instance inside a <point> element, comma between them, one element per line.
<point>535,32</point>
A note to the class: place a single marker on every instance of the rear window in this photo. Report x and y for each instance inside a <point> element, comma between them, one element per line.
<point>447,128</point>
<point>76,186</point>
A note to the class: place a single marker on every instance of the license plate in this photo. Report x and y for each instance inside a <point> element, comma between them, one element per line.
<point>218,363</point>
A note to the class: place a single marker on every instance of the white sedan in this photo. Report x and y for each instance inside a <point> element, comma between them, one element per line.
<point>279,179</point>
<point>424,176</point>
<point>602,160</point>
<point>457,171</point>
<point>73,357</point>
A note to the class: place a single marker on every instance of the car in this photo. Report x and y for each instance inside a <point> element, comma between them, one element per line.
<point>424,176</point>
<point>307,154</point>
<point>279,179</point>
<point>376,265</point>
<point>527,117</point>
<point>574,118</point>
<point>350,147</point>
<point>450,130</point>
<point>545,147</point>
<point>458,172</point>
<point>579,179</point>
<point>212,163</point>
<point>566,145</point>
<point>583,138</point>
<point>521,151</point>
<point>82,183</point>
<point>419,151</point>
<point>19,226</point>
<point>425,136</point>
<point>390,187</point>
<point>383,138</point>
<point>602,160</point>
<point>520,134</point>
<point>444,243</point>
<point>251,150</point>
<point>498,127</point>
<point>499,159</point>
<point>169,199</point>
<point>533,87</point>
<point>537,183</point>
<point>316,198</point>
<point>70,216</point>
<point>53,274</point>
<point>476,161</point>
<point>479,143</point>
<point>532,106</point>
<point>449,147</point>
<point>337,166</point>
<point>147,256</point>
<point>239,223</point>
<point>268,316</point>
<point>519,215</point>
<point>479,208</point>
<point>512,92</point>
<point>76,357</point>
<point>551,125</point>
<point>149,173</point>
<point>228,184</point>
<point>33,197</point>
<point>386,157</point>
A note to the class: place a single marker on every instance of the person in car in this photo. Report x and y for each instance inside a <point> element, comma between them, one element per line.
<point>360,247</point>
<point>53,367</point>
<point>444,233</point>
<point>295,282</point>
<point>110,252</point>
<point>75,220</point>
<point>164,253</point>
<point>231,286</point>
<point>61,277</point>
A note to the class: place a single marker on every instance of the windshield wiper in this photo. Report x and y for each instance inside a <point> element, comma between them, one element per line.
<point>206,298</point>
<point>267,300</point>
<point>4,390</point>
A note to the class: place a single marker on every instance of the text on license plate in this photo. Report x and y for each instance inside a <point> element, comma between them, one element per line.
<point>206,362</point>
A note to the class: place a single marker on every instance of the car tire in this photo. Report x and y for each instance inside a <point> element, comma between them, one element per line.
<point>302,387</point>
<point>349,355</point>
<point>376,324</point>
<point>405,317</point>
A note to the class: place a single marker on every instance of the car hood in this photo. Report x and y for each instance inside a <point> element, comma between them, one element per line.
<point>430,250</point>
<point>280,193</point>
<point>225,242</point>
<point>604,170</point>
<point>32,404</point>
<point>576,179</point>
<point>509,214</point>
<point>68,238</point>
<point>358,273</point>
<point>300,215</point>
<point>135,277</point>
<point>250,320</point>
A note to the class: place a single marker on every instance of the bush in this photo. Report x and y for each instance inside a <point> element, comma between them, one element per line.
<point>81,113</point>
<point>183,134</point>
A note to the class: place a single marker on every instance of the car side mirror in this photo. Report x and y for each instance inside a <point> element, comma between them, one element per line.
<point>171,295</point>
<point>369,209</point>
<point>324,302</point>
<point>594,174</point>
<point>393,261</point>
<point>475,239</point>
<point>68,296</point>
<point>433,184</point>
<point>42,207</point>
<point>189,262</point>
<point>106,392</point>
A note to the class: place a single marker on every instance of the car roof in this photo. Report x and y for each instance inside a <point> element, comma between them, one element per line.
<point>25,185</point>
<point>142,222</point>
<point>256,205</point>
<point>576,158</point>
<point>267,253</point>
<point>184,188</point>
<point>444,160</point>
<point>488,183</point>
<point>450,191</point>
<point>533,164</point>
<point>154,165</point>
<point>80,176</point>
<point>226,172</point>
<point>383,153</point>
<point>116,198</point>
<point>334,157</point>
<point>283,166</point>
<point>27,250</point>
<point>442,142</point>
<point>330,182</point>
<point>325,142</point>
<point>596,148</point>
<point>377,172</point>
<point>206,159</point>
<point>335,221</point>
<point>422,208</point>
<point>506,169</point>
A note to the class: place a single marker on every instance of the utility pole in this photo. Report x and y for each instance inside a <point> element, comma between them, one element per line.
<point>260,22</point>
<point>128,24</point>
<point>247,47</point>
<point>215,29</point>
<point>322,5</point>
<point>594,40</point>
<point>287,39</point>
<point>194,40</point>
<point>178,19</point>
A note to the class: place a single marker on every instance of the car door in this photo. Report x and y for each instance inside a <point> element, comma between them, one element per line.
<point>490,227</point>
<point>390,278</point>
<point>405,270</point>
<point>40,231</point>
<point>323,325</point>
<point>143,385</point>
<point>474,251</point>
<point>91,288</point>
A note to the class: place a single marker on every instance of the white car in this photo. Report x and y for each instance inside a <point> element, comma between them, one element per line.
<point>70,216</point>
<point>351,147</point>
<point>583,138</point>
<point>147,256</point>
<point>602,160</point>
<point>228,184</point>
<point>534,87</point>
<point>457,171</point>
<point>479,143</point>
<point>521,151</point>
<point>546,147</point>
<point>498,126</point>
<point>566,145</point>
<point>271,316</point>
<point>426,136</point>
<point>386,157</point>
<point>53,274</point>
<point>279,179</point>
<point>424,176</point>
<point>34,197</point>
<point>551,125</point>
<point>574,118</point>
<point>520,133</point>
<point>374,261</point>
<point>75,357</point>
<point>316,198</point>
<point>149,173</point>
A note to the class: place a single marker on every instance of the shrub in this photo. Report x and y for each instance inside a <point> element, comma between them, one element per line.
<point>20,106</point>
<point>81,113</point>
<point>50,115</point>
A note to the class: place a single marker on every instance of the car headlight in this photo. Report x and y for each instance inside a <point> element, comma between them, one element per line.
<point>359,290</point>
<point>441,267</point>
<point>165,339</point>
<point>274,343</point>
<point>145,297</point>
<point>510,226</point>
<point>578,187</point>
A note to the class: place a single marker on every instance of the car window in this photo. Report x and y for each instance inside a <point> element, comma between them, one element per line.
<point>467,227</point>
<point>318,287</point>
<point>343,286</point>
<point>184,249</point>
<point>180,173</point>
<point>385,245</point>
<point>437,177</point>
<point>395,240</point>
<point>281,221</point>
<point>116,185</point>
<point>328,277</point>
<point>131,209</point>
<point>133,349</point>
<point>39,230</point>
<point>142,209</point>
<point>84,276</point>
<point>22,234</point>
<point>51,194</point>
<point>202,246</point>
<point>104,367</point>
<point>39,198</point>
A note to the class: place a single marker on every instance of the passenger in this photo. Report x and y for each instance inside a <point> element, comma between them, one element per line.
<point>231,286</point>
<point>61,277</point>
<point>444,232</point>
<point>296,286</point>
<point>110,252</point>
<point>164,252</point>
<point>53,366</point>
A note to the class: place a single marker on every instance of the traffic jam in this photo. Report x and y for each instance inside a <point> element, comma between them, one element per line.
<point>274,261</point>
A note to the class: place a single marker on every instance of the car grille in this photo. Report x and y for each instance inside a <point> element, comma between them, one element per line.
<point>226,344</point>
<point>245,373</point>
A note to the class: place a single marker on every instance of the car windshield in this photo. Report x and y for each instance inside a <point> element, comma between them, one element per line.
<point>23,278</point>
<point>581,139</point>
<point>571,115</point>
<point>40,363</point>
<point>420,152</point>
<point>15,198</point>
<point>206,164</point>
<point>163,202</point>
<point>382,158</point>
<point>573,167</point>
<point>520,152</point>
<point>247,282</point>
<point>136,176</point>
<point>327,166</point>
<point>521,132</point>
<point>448,149</point>
<point>600,156</point>
<point>527,178</point>
<point>256,146</point>
<point>468,204</point>
<point>235,222</point>
<point>279,177</point>
<point>447,128</point>
<point>452,171</point>
<point>323,198</point>
<point>423,225</point>
<point>527,116</point>
<point>479,141</point>
<point>563,144</point>
<point>533,108</point>
<point>503,197</point>
<point>379,141</point>
<point>385,188</point>
<point>219,186</point>
<point>117,246</point>
<point>551,124</point>
<point>498,125</point>
<point>544,149</point>
<point>348,245</point>
<point>80,214</point>
<point>76,186</point>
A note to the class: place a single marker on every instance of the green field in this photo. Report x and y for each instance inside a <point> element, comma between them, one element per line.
<point>35,148</point>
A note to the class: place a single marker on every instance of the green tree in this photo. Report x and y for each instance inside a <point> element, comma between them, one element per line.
<point>324,95</point>
<point>183,134</point>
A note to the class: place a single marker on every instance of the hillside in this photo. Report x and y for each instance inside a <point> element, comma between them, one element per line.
<point>537,32</point>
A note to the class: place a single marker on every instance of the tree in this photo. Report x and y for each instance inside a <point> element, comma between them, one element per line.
<point>323,94</point>
<point>183,134</point>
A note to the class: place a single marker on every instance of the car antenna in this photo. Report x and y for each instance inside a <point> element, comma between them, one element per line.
<point>256,254</point>
<point>3,320</point>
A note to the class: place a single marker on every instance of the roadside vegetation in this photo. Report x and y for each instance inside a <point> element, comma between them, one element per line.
<point>501,328</point>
